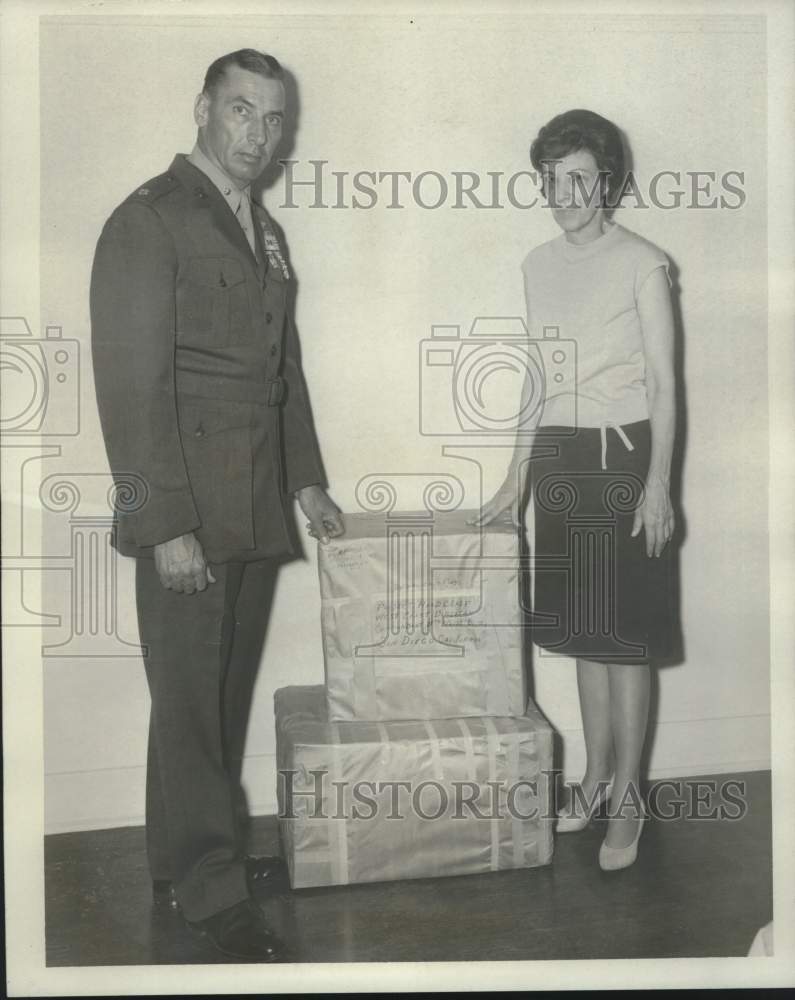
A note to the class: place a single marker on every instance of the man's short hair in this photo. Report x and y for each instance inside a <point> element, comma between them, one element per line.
<point>580,129</point>
<point>250,59</point>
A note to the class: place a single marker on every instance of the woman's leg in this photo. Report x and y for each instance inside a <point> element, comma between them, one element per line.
<point>594,690</point>
<point>629,686</point>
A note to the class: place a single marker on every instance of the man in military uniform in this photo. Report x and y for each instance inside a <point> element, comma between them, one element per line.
<point>202,399</point>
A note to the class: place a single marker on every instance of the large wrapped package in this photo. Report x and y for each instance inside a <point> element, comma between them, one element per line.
<point>421,618</point>
<point>377,801</point>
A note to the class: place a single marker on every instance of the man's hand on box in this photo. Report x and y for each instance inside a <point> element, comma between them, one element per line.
<point>325,518</point>
<point>181,565</point>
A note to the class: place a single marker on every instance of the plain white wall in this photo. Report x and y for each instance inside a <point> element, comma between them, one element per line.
<point>447,94</point>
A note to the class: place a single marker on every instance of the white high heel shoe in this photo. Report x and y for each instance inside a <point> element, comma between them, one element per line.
<point>612,859</point>
<point>572,824</point>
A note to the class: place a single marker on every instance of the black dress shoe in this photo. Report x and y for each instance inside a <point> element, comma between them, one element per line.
<point>242,933</point>
<point>164,895</point>
<point>260,871</point>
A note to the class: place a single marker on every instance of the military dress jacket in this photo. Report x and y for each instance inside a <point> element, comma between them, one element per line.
<point>201,396</point>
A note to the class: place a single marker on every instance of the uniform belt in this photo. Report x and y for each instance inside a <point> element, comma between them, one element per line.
<point>268,392</point>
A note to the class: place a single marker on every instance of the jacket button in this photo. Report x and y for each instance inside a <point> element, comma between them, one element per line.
<point>199,432</point>
<point>274,349</point>
<point>268,317</point>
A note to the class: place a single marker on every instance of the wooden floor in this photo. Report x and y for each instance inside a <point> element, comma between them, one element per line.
<point>699,888</point>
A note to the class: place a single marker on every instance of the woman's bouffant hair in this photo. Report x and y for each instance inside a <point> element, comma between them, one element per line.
<point>580,129</point>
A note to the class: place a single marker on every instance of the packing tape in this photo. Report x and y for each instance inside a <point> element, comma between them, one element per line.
<point>337,828</point>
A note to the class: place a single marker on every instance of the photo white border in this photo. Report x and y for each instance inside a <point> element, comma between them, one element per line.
<point>22,685</point>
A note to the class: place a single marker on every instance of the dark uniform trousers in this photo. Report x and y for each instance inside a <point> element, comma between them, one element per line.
<point>202,655</point>
<point>202,400</point>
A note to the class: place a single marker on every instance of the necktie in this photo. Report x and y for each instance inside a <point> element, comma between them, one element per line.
<point>243,214</point>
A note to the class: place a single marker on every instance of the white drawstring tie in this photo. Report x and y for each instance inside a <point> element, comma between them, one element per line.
<point>619,430</point>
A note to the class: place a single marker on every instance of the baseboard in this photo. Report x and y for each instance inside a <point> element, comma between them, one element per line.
<point>94,800</point>
<point>113,797</point>
<point>691,747</point>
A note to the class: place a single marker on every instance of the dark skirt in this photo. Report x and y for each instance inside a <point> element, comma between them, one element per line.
<point>597,595</point>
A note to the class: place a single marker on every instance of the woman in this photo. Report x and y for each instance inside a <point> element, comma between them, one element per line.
<point>600,463</point>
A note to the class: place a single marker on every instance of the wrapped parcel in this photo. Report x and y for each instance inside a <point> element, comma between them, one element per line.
<point>421,618</point>
<point>375,801</point>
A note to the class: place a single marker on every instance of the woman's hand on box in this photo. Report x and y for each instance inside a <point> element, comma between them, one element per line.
<point>505,500</point>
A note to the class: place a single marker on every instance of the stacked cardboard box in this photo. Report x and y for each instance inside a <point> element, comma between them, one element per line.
<point>421,756</point>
